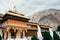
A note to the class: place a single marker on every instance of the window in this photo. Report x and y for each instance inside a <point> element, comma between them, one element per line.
<point>12,33</point>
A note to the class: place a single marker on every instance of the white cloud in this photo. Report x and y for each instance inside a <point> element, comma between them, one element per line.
<point>8,4</point>
<point>29,7</point>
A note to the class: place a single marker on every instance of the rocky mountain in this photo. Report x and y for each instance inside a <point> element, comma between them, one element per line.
<point>50,17</point>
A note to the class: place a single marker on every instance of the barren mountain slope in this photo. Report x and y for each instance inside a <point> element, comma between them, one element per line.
<point>50,17</point>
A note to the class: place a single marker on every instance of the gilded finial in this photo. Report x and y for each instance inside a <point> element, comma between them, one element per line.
<point>14,6</point>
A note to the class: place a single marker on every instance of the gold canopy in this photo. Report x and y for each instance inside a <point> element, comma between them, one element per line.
<point>16,13</point>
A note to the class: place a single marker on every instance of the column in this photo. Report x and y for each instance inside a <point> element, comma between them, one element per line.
<point>23,34</point>
<point>7,35</point>
<point>14,34</point>
<point>4,35</point>
<point>1,32</point>
<point>18,34</point>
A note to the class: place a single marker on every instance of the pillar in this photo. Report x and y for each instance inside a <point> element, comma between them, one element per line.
<point>1,32</point>
<point>18,34</point>
<point>4,35</point>
<point>14,33</point>
<point>7,35</point>
<point>24,34</point>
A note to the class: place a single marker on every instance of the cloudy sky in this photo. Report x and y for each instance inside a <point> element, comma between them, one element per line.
<point>28,7</point>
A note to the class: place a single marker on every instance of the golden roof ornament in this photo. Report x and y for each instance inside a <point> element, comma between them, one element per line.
<point>15,12</point>
<point>14,7</point>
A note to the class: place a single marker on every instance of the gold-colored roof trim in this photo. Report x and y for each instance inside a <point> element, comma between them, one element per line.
<point>1,18</point>
<point>44,26</point>
<point>31,23</point>
<point>32,29</point>
<point>17,15</point>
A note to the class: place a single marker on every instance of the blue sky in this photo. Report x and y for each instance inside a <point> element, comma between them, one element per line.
<point>28,7</point>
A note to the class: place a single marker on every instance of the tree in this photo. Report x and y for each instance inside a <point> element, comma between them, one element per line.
<point>55,36</point>
<point>0,37</point>
<point>58,28</point>
<point>34,38</point>
<point>47,36</point>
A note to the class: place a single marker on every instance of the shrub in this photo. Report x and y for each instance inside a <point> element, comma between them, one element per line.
<point>58,28</point>
<point>0,37</point>
<point>34,38</point>
<point>55,36</point>
<point>47,36</point>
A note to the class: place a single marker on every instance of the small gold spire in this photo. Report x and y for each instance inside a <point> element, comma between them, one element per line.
<point>14,6</point>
